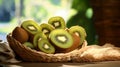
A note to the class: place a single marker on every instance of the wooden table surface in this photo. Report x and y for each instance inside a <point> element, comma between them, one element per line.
<point>92,64</point>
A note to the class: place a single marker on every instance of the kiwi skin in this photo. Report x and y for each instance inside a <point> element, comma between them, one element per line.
<point>76,42</point>
<point>20,35</point>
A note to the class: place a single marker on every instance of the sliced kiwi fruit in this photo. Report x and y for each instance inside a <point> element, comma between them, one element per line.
<point>31,26</point>
<point>75,45</point>
<point>38,37</point>
<point>20,34</point>
<point>61,38</point>
<point>45,46</point>
<point>79,31</point>
<point>28,44</point>
<point>57,22</point>
<point>46,28</point>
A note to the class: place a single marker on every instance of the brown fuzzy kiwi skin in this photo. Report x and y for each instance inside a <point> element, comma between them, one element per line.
<point>20,35</point>
<point>31,36</point>
<point>76,42</point>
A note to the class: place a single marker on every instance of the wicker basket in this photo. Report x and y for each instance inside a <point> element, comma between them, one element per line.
<point>31,55</point>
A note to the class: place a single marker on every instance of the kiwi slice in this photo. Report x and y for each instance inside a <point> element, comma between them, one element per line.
<point>57,22</point>
<point>79,31</point>
<point>38,37</point>
<point>46,28</point>
<point>28,44</point>
<point>20,34</point>
<point>75,45</point>
<point>61,38</point>
<point>45,46</point>
<point>31,26</point>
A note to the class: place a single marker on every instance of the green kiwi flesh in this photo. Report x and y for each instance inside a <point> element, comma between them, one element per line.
<point>79,31</point>
<point>61,38</point>
<point>46,28</point>
<point>28,44</point>
<point>45,46</point>
<point>31,26</point>
<point>75,45</point>
<point>57,22</point>
<point>38,37</point>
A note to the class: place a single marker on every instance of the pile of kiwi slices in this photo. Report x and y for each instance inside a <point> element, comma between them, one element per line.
<point>51,37</point>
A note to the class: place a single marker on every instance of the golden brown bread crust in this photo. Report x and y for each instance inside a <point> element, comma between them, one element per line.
<point>85,54</point>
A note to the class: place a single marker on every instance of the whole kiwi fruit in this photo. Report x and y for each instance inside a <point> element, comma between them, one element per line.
<point>20,34</point>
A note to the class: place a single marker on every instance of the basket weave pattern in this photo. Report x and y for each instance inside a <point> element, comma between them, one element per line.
<point>31,55</point>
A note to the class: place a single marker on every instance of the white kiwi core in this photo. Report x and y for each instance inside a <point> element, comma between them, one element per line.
<point>46,46</point>
<point>56,24</point>
<point>31,28</point>
<point>62,38</point>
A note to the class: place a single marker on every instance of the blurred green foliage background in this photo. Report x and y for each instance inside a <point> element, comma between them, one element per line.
<point>75,12</point>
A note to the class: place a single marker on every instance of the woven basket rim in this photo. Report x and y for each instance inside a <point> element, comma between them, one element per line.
<point>31,55</point>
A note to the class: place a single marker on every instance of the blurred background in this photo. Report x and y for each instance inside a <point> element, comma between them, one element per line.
<point>93,15</point>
